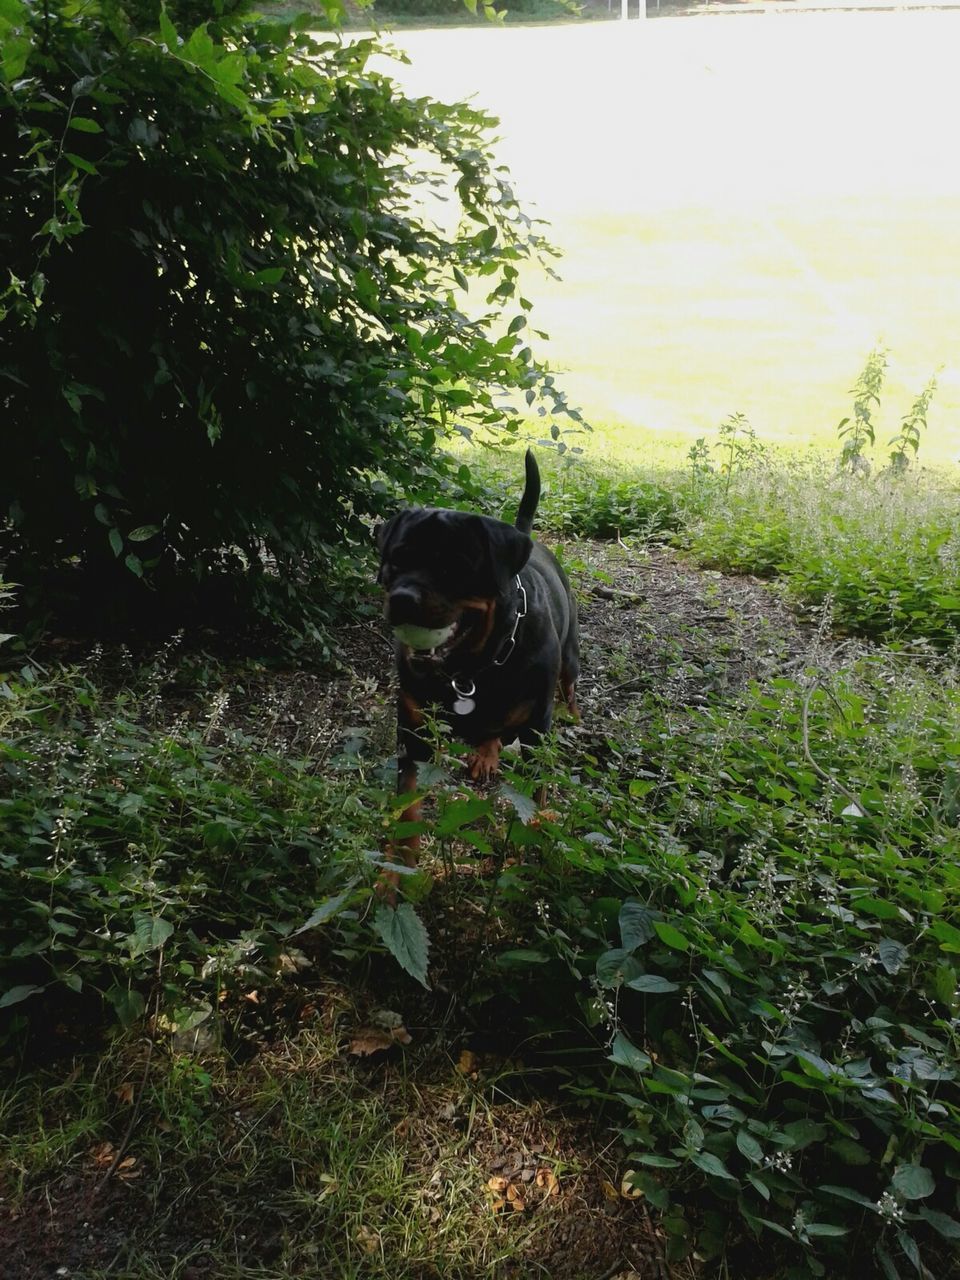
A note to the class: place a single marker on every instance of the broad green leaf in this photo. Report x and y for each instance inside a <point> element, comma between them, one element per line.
<point>671,936</point>
<point>652,983</point>
<point>948,1227</point>
<point>14,995</point>
<point>149,933</point>
<point>83,124</point>
<point>405,938</point>
<point>626,1054</point>
<point>616,967</point>
<point>712,1165</point>
<point>850,1152</point>
<point>893,955</point>
<point>130,1005</point>
<point>913,1182</point>
<point>116,541</point>
<point>143,533</point>
<point>804,1132</point>
<point>636,925</point>
<point>749,1146</point>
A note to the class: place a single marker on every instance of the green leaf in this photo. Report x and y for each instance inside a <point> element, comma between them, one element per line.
<point>849,1152</point>
<point>130,1005</point>
<point>616,967</point>
<point>83,124</point>
<point>948,1227</point>
<point>324,912</point>
<point>636,925</point>
<point>913,1182</point>
<point>405,938</point>
<point>80,162</point>
<point>749,1146</point>
<point>912,1252</point>
<point>887,1265</point>
<point>712,1165</point>
<point>143,533</point>
<point>893,955</point>
<point>626,1054</point>
<point>168,31</point>
<point>116,541</point>
<point>848,1193</point>
<point>14,995</point>
<point>804,1132</point>
<point>652,983</point>
<point>149,933</point>
<point>134,564</point>
<point>525,807</point>
<point>824,1229</point>
<point>671,936</point>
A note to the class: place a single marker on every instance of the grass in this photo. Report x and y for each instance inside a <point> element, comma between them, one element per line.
<point>730,242</point>
<point>286,1164</point>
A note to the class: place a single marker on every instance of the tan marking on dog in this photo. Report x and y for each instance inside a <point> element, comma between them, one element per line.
<point>415,713</point>
<point>519,715</point>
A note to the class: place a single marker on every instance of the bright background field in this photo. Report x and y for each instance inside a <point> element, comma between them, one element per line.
<point>746,206</point>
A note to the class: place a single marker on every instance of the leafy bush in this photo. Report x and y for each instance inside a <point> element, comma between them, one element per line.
<point>229,327</point>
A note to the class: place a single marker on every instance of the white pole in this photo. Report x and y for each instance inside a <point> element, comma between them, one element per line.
<point>624,10</point>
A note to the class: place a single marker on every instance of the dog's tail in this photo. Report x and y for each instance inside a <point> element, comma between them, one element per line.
<point>531,494</point>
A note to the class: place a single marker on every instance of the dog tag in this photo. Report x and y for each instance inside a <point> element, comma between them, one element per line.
<point>464,702</point>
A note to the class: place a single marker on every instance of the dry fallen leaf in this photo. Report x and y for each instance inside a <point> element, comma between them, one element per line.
<point>367,1040</point>
<point>126,1170</point>
<point>497,1205</point>
<point>468,1062</point>
<point>252,996</point>
<point>368,1239</point>
<point>547,1181</point>
<point>103,1154</point>
<point>515,1198</point>
<point>497,1185</point>
<point>125,1094</point>
<point>628,1189</point>
<point>609,1190</point>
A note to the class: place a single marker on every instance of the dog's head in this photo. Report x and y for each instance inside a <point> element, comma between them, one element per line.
<point>444,573</point>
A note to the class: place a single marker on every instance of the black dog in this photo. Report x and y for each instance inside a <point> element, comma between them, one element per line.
<point>486,629</point>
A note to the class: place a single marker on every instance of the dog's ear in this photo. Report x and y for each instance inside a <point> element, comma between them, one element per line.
<point>509,549</point>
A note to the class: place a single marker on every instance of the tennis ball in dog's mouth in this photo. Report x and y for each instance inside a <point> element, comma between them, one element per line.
<point>423,637</point>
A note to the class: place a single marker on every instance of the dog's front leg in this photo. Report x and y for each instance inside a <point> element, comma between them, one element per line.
<point>412,750</point>
<point>484,763</point>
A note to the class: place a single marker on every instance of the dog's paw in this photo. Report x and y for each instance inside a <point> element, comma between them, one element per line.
<point>484,763</point>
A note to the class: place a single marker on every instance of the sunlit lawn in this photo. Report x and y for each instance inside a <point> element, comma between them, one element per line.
<point>746,206</point>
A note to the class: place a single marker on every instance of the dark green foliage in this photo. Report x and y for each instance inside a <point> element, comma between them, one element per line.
<point>128,840</point>
<point>765,941</point>
<point>229,329</point>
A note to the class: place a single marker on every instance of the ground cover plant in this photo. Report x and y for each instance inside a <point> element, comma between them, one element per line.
<point>731,933</point>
